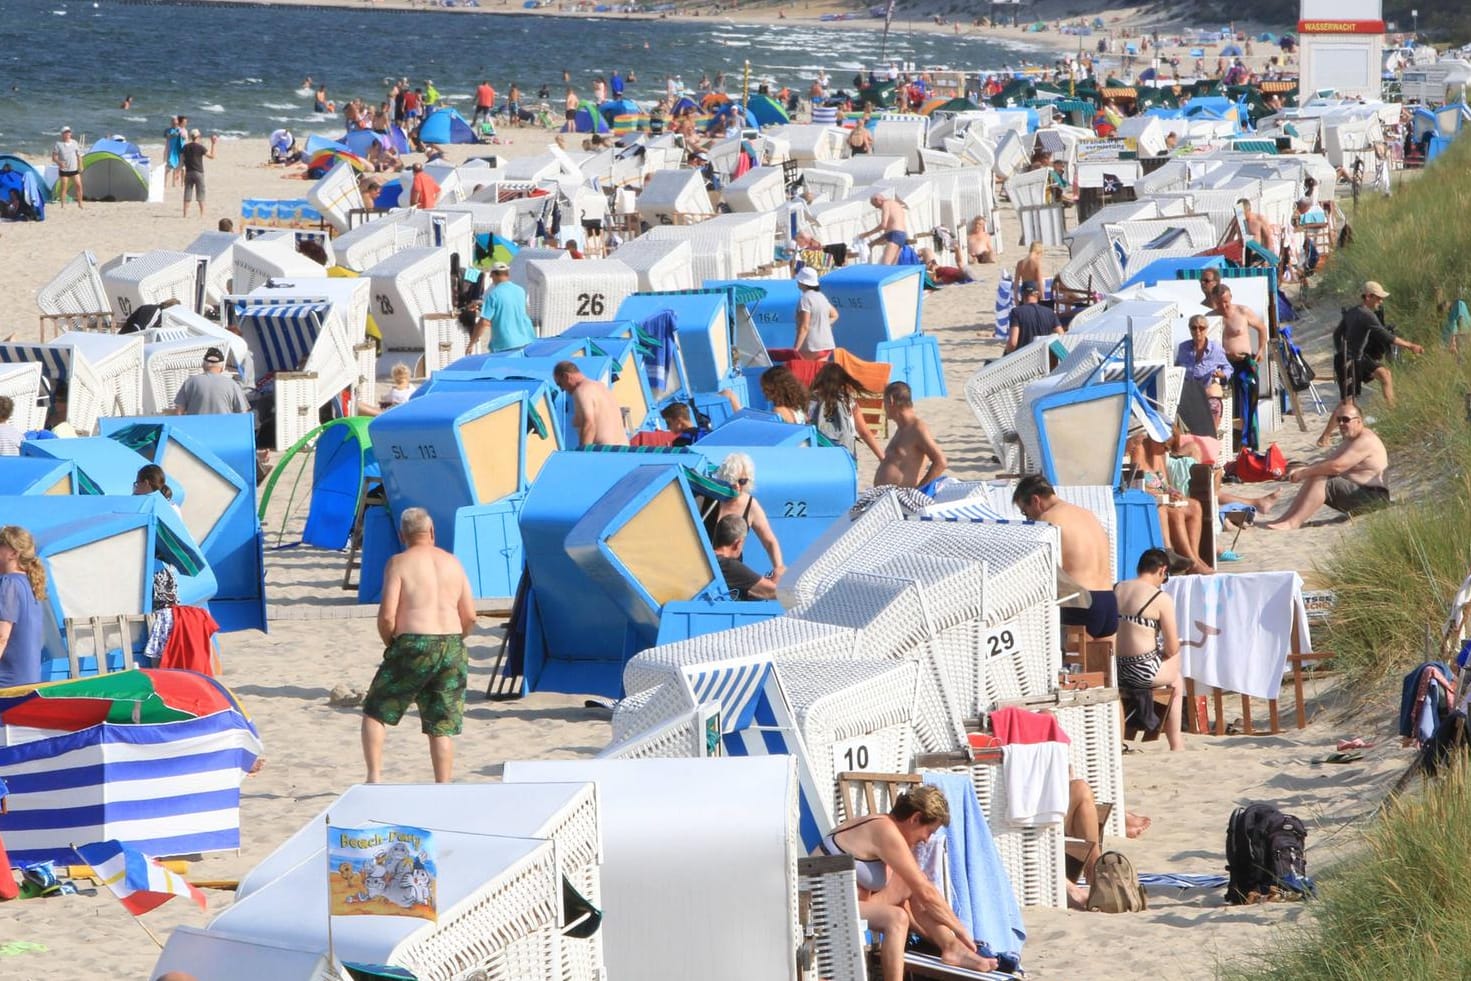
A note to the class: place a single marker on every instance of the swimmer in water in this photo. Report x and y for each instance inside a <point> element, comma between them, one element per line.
<point>127,102</point>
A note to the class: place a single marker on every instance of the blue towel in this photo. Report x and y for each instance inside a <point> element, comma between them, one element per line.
<point>983,897</point>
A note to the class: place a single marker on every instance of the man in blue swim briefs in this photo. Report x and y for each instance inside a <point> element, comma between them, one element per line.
<point>1084,553</point>
<point>892,228</point>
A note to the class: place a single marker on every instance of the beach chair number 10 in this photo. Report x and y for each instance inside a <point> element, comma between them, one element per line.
<point>850,756</point>
<point>591,304</point>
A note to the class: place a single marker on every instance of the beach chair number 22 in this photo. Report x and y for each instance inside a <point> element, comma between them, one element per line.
<point>591,304</point>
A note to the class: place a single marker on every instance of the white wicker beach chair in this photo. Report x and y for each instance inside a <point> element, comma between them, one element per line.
<point>166,366</point>
<point>21,383</point>
<point>152,278</point>
<point>76,289</point>
<point>407,286</point>
<point>754,644</point>
<point>257,261</point>
<point>566,292</point>
<point>336,195</point>
<point>485,218</point>
<point>103,373</point>
<point>840,707</point>
<point>713,253</point>
<point>808,144</point>
<point>758,189</point>
<point>219,249</point>
<point>1013,152</point>
<point>660,265</point>
<point>840,222</point>
<point>372,242</point>
<point>1040,221</point>
<point>687,735</point>
<point>674,197</point>
<point>994,394</point>
<point>869,168</point>
<point>827,185</point>
<point>750,237</point>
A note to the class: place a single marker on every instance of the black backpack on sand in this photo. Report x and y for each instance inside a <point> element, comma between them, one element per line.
<point>1265,855</point>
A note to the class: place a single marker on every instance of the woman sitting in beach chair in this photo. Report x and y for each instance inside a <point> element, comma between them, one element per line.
<point>894,895</point>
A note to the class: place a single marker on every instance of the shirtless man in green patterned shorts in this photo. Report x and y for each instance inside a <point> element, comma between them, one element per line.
<point>424,617</point>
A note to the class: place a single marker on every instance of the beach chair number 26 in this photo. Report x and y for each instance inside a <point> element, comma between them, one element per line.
<point>591,304</point>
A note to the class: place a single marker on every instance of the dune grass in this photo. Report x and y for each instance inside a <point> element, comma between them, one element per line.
<point>1394,908</point>
<point>1393,576</point>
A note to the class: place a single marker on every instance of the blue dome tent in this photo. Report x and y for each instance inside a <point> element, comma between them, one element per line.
<point>20,175</point>
<point>766,111</point>
<point>361,141</point>
<point>588,119</point>
<point>684,105</point>
<point>446,125</point>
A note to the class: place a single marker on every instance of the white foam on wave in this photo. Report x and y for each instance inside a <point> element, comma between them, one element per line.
<point>211,107</point>
<point>136,119</point>
<point>278,105</point>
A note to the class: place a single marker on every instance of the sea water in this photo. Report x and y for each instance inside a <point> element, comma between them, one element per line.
<point>238,70</point>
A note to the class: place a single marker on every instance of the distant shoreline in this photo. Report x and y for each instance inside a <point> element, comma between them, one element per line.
<point>810,15</point>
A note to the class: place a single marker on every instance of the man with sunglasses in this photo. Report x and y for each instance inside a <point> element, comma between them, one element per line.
<point>1349,480</point>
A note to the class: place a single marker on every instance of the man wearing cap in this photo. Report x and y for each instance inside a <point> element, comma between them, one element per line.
<point>1031,320</point>
<point>193,156</point>
<point>1360,343</point>
<point>815,319</point>
<point>211,392</point>
<point>67,155</point>
<point>503,312</point>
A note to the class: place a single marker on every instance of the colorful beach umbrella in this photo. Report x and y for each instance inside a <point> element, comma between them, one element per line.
<point>141,697</point>
<point>325,160</point>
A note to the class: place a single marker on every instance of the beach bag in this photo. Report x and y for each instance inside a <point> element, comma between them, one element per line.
<point>1300,374</point>
<point>1426,698</point>
<point>1114,886</point>
<point>1265,855</point>
<point>1251,467</point>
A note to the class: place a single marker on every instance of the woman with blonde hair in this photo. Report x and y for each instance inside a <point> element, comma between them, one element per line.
<point>22,588</point>
<point>894,894</point>
<point>739,471</point>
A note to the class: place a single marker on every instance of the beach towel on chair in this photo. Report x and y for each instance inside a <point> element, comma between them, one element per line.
<point>982,894</point>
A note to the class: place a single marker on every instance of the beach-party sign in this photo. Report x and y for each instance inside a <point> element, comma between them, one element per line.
<point>381,870</point>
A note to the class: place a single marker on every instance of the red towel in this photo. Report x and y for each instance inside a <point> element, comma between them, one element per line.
<point>652,437</point>
<point>1013,726</point>
<point>188,645</point>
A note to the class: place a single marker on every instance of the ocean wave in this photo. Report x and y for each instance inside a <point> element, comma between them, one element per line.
<point>136,119</point>
<point>247,80</point>
<point>211,107</point>
<point>278,105</point>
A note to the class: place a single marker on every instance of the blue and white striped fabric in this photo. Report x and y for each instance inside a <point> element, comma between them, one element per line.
<point>1004,301</point>
<point>55,361</point>
<point>166,789</point>
<point>969,509</point>
<point>283,333</point>
<point>757,720</point>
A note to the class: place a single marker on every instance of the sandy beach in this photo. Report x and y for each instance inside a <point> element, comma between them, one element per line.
<point>320,639</point>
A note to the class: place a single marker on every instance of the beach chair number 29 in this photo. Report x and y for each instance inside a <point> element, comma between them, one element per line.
<point>591,304</point>
<point>1001,642</point>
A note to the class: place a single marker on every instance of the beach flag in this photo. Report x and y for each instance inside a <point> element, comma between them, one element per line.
<point>139,881</point>
<point>382,870</point>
